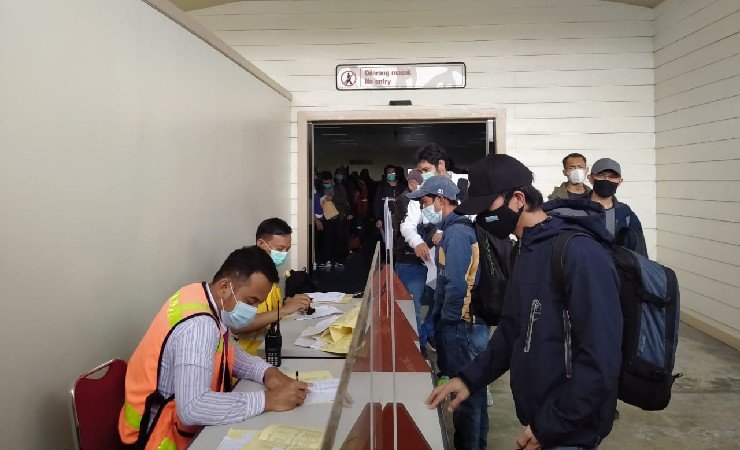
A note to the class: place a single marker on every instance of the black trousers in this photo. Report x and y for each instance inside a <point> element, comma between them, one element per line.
<point>334,239</point>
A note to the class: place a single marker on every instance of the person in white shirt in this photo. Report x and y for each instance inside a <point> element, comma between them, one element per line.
<point>431,160</point>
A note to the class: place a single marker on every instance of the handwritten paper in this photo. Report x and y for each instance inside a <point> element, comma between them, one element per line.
<point>322,391</point>
<point>287,437</point>
<point>321,311</point>
<point>312,376</point>
<point>326,297</point>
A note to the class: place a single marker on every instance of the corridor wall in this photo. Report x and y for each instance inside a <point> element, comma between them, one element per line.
<point>135,157</point>
<point>697,121</point>
<point>573,75</point>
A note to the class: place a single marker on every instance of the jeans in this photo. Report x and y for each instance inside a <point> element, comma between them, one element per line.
<point>414,278</point>
<point>458,343</point>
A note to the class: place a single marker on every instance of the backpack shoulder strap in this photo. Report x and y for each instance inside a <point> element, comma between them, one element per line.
<point>464,221</point>
<point>558,260</point>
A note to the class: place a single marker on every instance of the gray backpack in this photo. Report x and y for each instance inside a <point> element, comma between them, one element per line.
<point>650,303</point>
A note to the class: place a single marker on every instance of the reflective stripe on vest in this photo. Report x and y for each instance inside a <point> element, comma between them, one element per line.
<point>167,444</point>
<point>133,418</point>
<point>176,311</point>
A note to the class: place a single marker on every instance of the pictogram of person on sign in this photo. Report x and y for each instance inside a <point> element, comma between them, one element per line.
<point>349,78</point>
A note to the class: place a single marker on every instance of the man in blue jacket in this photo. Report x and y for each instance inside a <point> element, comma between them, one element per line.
<point>564,363</point>
<point>459,336</point>
<point>621,221</point>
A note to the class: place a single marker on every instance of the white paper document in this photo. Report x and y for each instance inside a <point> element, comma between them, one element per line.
<point>432,268</point>
<point>236,439</point>
<point>319,327</point>
<point>322,391</point>
<point>321,311</point>
<point>326,297</point>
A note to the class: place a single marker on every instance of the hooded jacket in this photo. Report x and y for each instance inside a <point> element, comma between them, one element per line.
<point>628,229</point>
<point>531,339</point>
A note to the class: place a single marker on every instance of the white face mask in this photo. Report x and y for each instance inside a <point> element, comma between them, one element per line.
<point>239,317</point>
<point>432,215</point>
<point>577,176</point>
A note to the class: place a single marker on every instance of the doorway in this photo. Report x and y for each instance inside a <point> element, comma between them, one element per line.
<point>366,142</point>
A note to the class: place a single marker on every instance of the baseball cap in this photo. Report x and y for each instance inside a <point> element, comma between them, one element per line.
<point>606,164</point>
<point>489,177</point>
<point>436,185</point>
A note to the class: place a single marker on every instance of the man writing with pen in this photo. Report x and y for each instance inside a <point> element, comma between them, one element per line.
<point>180,375</point>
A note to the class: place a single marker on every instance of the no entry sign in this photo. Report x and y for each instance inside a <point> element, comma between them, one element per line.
<point>402,76</point>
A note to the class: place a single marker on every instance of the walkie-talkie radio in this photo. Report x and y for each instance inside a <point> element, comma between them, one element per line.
<point>274,342</point>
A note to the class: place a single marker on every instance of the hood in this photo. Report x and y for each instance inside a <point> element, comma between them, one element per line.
<point>578,214</point>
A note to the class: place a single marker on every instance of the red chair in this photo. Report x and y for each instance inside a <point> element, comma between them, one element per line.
<point>97,398</point>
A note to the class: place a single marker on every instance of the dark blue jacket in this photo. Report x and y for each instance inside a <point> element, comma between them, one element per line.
<point>530,340</point>
<point>628,229</point>
<point>457,268</point>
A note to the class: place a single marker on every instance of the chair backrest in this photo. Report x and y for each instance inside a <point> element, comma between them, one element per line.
<point>95,405</point>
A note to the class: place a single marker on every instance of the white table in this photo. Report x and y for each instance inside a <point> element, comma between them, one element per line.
<point>291,329</point>
<point>313,416</point>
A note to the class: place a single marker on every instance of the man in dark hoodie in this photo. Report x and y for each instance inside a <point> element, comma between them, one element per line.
<point>564,363</point>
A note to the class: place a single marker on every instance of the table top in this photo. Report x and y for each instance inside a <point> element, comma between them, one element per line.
<point>291,329</point>
<point>313,416</point>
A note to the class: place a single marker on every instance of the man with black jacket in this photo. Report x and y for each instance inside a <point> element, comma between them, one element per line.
<point>564,362</point>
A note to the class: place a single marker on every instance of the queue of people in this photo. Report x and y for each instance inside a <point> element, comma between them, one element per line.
<point>180,376</point>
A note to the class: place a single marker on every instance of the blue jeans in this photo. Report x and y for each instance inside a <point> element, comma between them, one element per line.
<point>457,344</point>
<point>414,278</point>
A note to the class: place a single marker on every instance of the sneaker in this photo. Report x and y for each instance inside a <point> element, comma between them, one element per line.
<point>339,266</point>
<point>324,265</point>
<point>489,397</point>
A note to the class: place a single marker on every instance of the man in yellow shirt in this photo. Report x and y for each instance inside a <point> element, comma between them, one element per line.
<point>274,237</point>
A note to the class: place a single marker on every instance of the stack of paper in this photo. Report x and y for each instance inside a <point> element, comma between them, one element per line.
<point>326,297</point>
<point>332,335</point>
<point>286,437</point>
<point>322,391</point>
<point>321,311</point>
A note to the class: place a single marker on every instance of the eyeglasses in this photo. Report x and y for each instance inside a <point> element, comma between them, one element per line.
<point>607,176</point>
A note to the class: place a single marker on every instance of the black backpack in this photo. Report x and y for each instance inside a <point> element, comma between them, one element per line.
<point>299,282</point>
<point>650,303</point>
<point>487,297</point>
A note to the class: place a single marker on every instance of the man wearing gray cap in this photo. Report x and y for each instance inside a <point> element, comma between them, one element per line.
<point>621,221</point>
<point>458,334</point>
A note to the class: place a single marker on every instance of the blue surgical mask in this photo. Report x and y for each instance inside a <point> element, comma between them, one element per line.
<point>339,177</point>
<point>391,177</point>
<point>277,256</point>
<point>239,317</point>
<point>327,185</point>
<point>427,175</point>
<point>432,215</point>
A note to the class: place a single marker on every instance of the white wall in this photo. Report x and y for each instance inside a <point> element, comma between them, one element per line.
<point>132,155</point>
<point>697,120</point>
<point>573,75</point>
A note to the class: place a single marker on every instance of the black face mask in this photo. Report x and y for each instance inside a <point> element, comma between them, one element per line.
<point>500,222</point>
<point>605,188</point>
